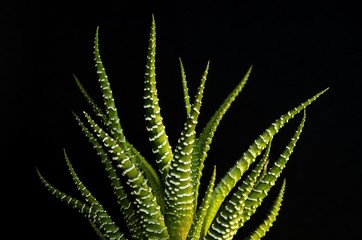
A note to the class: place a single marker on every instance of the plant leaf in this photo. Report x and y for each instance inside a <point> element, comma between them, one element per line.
<point>83,208</point>
<point>195,230</point>
<point>261,190</point>
<point>151,176</point>
<point>124,204</point>
<point>154,123</point>
<point>244,202</point>
<point>97,110</point>
<point>104,222</point>
<point>262,229</point>
<point>226,223</point>
<point>230,179</point>
<point>179,190</point>
<point>113,121</point>
<point>202,144</point>
<point>185,89</point>
<point>146,203</point>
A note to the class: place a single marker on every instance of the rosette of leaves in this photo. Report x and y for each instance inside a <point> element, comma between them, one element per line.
<point>160,200</point>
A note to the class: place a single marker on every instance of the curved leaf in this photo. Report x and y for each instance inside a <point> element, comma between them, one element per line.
<point>195,230</point>
<point>97,110</point>
<point>104,222</point>
<point>179,190</point>
<point>229,181</point>
<point>262,229</point>
<point>154,123</point>
<point>261,190</point>
<point>202,144</point>
<point>227,222</point>
<point>124,204</point>
<point>185,89</point>
<point>87,211</point>
<point>146,203</point>
<point>113,122</point>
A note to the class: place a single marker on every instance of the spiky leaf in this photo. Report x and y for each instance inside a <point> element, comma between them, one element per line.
<point>264,227</point>
<point>97,216</point>
<point>113,121</point>
<point>230,179</point>
<point>185,89</point>
<point>203,142</point>
<point>125,206</point>
<point>196,227</point>
<point>165,206</point>
<point>180,196</point>
<point>154,122</point>
<point>146,203</point>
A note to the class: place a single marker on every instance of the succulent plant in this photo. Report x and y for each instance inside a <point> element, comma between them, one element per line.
<point>160,200</point>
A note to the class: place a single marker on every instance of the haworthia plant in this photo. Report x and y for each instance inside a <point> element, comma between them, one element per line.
<point>162,203</point>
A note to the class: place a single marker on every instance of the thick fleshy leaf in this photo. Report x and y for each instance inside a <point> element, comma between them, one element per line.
<point>154,122</point>
<point>261,190</point>
<point>146,203</point>
<point>228,182</point>
<point>203,142</point>
<point>225,223</point>
<point>179,190</point>
<point>96,109</point>
<point>185,89</point>
<point>162,204</point>
<point>249,196</point>
<point>150,174</point>
<point>86,210</point>
<point>195,230</point>
<point>113,121</point>
<point>104,222</point>
<point>263,228</point>
<point>121,195</point>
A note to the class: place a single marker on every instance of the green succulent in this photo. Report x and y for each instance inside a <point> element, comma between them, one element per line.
<point>160,200</point>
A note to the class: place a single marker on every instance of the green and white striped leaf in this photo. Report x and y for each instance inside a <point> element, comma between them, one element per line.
<point>165,206</point>
<point>263,228</point>
<point>146,203</point>
<point>195,230</point>
<point>243,204</point>
<point>150,174</point>
<point>179,190</point>
<point>154,122</point>
<point>261,190</point>
<point>113,121</point>
<point>104,222</point>
<point>226,222</point>
<point>230,179</point>
<point>185,89</point>
<point>203,142</point>
<point>97,110</point>
<point>140,160</point>
<point>98,217</point>
<point>124,204</point>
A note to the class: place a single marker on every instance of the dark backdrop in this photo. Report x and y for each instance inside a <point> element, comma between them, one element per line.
<point>297,49</point>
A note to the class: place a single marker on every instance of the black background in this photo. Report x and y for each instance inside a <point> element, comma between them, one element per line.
<point>297,49</point>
